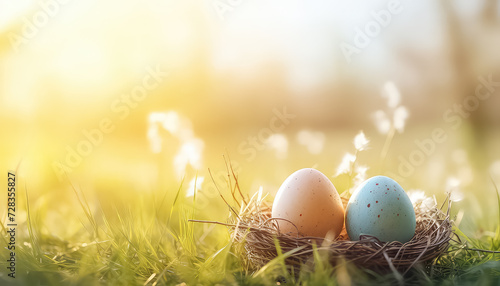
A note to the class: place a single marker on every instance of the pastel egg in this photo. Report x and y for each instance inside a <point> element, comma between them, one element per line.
<point>381,208</point>
<point>307,204</point>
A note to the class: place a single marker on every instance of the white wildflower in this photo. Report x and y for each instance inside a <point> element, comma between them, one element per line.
<point>346,164</point>
<point>400,116</point>
<point>169,120</point>
<point>190,153</point>
<point>418,197</point>
<point>360,174</point>
<point>194,186</point>
<point>314,141</point>
<point>278,143</point>
<point>398,112</point>
<point>427,204</point>
<point>392,93</point>
<point>456,196</point>
<point>382,122</point>
<point>191,147</point>
<point>360,141</point>
<point>452,183</point>
<point>453,188</point>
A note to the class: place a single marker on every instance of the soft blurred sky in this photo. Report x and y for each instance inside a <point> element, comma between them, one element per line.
<point>227,75</point>
<point>89,50</point>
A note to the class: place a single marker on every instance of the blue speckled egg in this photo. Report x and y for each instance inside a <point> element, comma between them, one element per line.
<point>381,208</point>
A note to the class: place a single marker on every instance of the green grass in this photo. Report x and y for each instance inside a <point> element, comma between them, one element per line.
<point>132,239</point>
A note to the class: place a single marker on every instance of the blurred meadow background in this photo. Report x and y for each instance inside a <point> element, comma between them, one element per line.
<point>111,109</point>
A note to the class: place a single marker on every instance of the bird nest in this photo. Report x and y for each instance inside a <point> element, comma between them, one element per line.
<point>258,234</point>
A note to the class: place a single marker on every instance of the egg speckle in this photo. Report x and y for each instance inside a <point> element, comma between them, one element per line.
<point>393,220</point>
<point>307,204</point>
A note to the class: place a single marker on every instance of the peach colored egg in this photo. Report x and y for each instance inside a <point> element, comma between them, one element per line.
<point>307,204</point>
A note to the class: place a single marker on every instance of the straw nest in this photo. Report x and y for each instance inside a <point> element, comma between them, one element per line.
<point>258,233</point>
